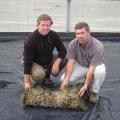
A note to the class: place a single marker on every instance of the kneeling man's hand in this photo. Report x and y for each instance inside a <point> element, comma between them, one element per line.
<point>64,84</point>
<point>82,91</point>
<point>27,85</point>
<point>55,69</point>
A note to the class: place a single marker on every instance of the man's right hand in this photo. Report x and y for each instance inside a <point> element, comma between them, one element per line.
<point>64,84</point>
<point>26,81</point>
<point>27,85</point>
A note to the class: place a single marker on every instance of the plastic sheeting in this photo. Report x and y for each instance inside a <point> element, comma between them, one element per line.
<point>11,87</point>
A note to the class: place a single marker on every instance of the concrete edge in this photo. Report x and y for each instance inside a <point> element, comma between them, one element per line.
<point>103,36</point>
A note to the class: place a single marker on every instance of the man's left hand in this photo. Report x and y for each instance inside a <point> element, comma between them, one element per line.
<point>55,69</point>
<point>82,91</point>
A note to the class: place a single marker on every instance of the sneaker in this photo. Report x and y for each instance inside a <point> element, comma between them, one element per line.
<point>94,97</point>
<point>47,82</point>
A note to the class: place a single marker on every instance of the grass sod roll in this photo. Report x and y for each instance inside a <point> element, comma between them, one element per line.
<point>55,98</point>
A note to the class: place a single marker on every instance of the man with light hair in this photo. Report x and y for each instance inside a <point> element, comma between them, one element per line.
<point>39,61</point>
<point>85,62</point>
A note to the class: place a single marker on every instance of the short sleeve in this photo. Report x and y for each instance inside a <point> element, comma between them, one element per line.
<point>98,55</point>
<point>71,50</point>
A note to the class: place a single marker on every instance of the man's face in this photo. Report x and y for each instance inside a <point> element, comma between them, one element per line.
<point>44,27</point>
<point>82,35</point>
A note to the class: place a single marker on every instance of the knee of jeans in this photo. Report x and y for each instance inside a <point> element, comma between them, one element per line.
<point>38,75</point>
<point>37,72</point>
<point>100,73</point>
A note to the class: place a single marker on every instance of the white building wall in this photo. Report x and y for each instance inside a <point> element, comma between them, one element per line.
<point>21,15</point>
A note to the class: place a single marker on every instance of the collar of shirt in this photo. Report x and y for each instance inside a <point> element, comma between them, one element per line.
<point>87,44</point>
<point>39,35</point>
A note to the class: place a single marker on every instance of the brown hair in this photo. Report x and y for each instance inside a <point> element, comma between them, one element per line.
<point>44,17</point>
<point>82,25</point>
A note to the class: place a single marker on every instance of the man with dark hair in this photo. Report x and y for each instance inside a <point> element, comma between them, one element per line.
<point>85,62</point>
<point>39,61</point>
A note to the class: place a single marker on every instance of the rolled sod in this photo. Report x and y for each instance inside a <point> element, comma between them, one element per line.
<point>55,98</point>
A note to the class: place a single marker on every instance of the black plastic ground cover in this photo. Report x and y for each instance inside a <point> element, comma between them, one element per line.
<point>11,83</point>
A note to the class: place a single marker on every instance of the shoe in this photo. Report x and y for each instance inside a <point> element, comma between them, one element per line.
<point>47,82</point>
<point>94,97</point>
